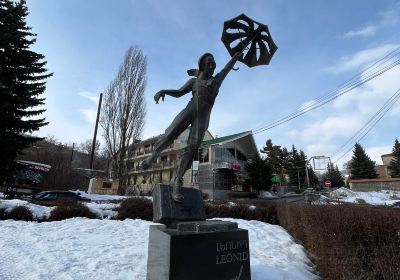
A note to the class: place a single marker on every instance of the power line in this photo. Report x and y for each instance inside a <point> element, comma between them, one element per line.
<point>350,84</point>
<point>376,118</point>
<point>363,128</point>
<point>329,99</point>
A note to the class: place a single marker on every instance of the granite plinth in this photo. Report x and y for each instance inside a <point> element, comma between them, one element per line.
<point>218,253</point>
<point>169,212</point>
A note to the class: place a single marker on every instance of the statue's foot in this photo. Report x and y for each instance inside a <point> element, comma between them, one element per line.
<point>146,163</point>
<point>176,186</point>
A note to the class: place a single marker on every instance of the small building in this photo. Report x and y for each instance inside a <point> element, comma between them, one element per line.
<point>382,170</point>
<point>218,168</point>
<point>103,186</point>
<point>222,169</point>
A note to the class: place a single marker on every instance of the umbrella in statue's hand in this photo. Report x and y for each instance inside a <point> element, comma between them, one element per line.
<point>244,35</point>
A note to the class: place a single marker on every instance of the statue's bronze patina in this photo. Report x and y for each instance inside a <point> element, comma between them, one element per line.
<point>197,112</point>
<point>205,87</point>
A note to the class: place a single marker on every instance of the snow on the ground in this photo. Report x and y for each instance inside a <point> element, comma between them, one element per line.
<point>384,197</point>
<point>103,210</point>
<point>105,197</point>
<point>38,211</point>
<point>266,194</point>
<point>81,248</point>
<point>101,196</point>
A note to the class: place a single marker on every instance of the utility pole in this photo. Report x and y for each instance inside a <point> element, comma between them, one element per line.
<point>72,153</point>
<point>95,132</point>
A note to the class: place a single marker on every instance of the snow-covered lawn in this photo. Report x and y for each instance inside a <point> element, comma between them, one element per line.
<point>384,197</point>
<point>81,248</point>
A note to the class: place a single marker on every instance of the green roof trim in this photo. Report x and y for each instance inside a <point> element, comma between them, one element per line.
<point>224,139</point>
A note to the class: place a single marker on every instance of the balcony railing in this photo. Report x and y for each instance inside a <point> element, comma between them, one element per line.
<point>158,165</point>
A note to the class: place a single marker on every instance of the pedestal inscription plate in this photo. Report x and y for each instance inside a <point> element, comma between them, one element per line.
<point>219,254</point>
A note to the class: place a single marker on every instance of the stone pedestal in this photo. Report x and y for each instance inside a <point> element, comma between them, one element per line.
<point>169,212</point>
<point>202,250</point>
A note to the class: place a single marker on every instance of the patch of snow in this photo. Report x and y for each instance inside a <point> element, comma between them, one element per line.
<point>342,192</point>
<point>103,210</point>
<point>104,197</point>
<point>82,248</point>
<point>252,207</point>
<point>232,204</point>
<point>38,211</point>
<point>384,197</point>
<point>265,194</point>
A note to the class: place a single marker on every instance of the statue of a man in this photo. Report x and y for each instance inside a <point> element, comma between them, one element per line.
<point>197,112</point>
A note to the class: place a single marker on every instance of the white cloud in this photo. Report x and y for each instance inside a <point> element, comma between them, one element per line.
<point>387,18</point>
<point>367,31</point>
<point>90,96</point>
<point>390,17</point>
<point>375,153</point>
<point>360,59</point>
<point>89,115</point>
<point>308,104</point>
<point>325,132</point>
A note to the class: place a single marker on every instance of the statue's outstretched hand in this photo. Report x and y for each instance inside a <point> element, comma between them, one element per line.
<point>158,95</point>
<point>238,55</point>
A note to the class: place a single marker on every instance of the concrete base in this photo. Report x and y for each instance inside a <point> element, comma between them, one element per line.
<point>169,212</point>
<point>212,250</point>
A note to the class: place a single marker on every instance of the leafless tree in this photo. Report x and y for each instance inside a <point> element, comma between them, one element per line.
<point>86,147</point>
<point>124,110</point>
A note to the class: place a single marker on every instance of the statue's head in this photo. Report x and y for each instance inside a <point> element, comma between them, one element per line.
<point>207,64</point>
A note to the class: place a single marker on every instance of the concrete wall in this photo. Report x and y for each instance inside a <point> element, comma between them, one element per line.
<point>393,184</point>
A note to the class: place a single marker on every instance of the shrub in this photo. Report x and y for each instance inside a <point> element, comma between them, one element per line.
<point>264,211</point>
<point>20,213</point>
<point>2,214</point>
<point>346,241</point>
<point>135,208</point>
<point>70,209</point>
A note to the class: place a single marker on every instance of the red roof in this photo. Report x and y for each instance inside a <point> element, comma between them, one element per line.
<point>374,180</point>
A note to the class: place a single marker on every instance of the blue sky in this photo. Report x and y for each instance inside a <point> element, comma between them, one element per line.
<point>321,44</point>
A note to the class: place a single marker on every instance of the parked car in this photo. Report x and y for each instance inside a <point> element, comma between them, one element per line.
<point>50,198</point>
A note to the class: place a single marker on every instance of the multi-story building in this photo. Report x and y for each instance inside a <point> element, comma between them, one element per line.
<point>162,171</point>
<point>219,166</point>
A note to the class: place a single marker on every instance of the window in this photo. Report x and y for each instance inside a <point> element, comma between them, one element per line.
<point>106,185</point>
<point>49,196</point>
<point>202,155</point>
<point>66,195</point>
<point>164,158</point>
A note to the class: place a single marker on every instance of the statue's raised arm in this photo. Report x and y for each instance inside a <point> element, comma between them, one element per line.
<point>186,88</point>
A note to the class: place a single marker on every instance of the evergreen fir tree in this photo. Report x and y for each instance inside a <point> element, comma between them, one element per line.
<point>333,174</point>
<point>394,165</point>
<point>297,168</point>
<point>259,174</point>
<point>22,81</point>
<point>361,166</point>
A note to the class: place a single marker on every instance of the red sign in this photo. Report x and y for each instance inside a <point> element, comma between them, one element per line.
<point>328,184</point>
<point>235,166</point>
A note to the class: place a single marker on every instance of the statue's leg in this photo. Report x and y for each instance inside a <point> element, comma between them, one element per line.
<point>179,124</point>
<point>196,135</point>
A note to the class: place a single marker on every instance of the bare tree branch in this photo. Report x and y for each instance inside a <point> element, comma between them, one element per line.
<point>124,110</point>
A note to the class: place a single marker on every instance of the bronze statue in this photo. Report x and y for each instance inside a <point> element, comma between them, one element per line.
<point>205,88</point>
